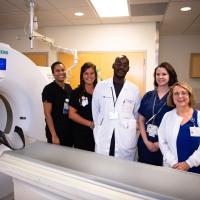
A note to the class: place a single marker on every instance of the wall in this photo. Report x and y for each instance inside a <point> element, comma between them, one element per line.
<point>116,37</point>
<point>176,50</point>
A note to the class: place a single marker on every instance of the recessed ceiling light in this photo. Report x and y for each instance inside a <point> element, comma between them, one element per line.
<point>111,8</point>
<point>184,9</point>
<point>79,14</point>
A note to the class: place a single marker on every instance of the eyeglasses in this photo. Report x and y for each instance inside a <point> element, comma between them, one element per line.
<point>177,94</point>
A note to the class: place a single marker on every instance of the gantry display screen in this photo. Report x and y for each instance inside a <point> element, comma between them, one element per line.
<point>2,64</point>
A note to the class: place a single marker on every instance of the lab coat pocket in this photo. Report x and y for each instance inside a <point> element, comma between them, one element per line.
<point>127,108</point>
<point>128,134</point>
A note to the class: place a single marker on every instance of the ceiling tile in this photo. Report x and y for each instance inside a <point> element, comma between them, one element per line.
<point>156,18</point>
<point>116,20</point>
<point>69,13</point>
<point>15,14</point>
<point>177,22</point>
<point>65,4</point>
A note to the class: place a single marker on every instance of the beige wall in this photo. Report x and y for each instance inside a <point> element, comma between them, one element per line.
<point>98,38</point>
<point>176,50</point>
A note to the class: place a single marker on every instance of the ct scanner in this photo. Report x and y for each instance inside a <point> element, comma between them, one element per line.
<point>21,84</point>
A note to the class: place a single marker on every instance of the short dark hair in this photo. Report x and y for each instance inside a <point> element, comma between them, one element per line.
<point>121,59</point>
<point>170,70</point>
<point>54,64</point>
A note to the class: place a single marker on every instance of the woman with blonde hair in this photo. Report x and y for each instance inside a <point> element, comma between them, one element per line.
<point>179,131</point>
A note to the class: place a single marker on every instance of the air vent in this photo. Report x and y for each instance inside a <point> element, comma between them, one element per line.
<point>148,9</point>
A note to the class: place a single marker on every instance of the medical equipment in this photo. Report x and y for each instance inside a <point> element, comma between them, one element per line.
<point>85,175</point>
<point>35,35</point>
<point>21,84</point>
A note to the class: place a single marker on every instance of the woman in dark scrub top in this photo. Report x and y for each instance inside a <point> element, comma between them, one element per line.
<point>55,97</point>
<point>152,108</point>
<point>80,109</point>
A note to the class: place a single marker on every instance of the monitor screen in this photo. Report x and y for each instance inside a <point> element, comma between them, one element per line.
<point>2,64</point>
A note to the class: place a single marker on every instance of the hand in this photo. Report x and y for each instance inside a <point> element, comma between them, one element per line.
<point>55,140</point>
<point>91,125</point>
<point>156,145</point>
<point>181,166</point>
<point>151,146</point>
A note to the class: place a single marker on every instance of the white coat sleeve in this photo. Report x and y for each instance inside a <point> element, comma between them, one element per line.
<point>168,156</point>
<point>137,104</point>
<point>194,159</point>
<point>95,104</point>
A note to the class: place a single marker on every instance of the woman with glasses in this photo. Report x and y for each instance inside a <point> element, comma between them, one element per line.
<point>80,109</point>
<point>179,131</point>
<point>152,109</point>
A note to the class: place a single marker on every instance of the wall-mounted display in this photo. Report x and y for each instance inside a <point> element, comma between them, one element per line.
<point>195,65</point>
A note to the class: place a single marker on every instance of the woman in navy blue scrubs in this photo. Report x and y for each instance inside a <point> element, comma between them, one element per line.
<point>179,131</point>
<point>152,109</point>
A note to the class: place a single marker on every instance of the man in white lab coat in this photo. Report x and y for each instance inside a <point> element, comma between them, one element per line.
<point>114,107</point>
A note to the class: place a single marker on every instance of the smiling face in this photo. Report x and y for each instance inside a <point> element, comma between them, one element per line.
<point>162,77</point>
<point>59,73</point>
<point>121,67</point>
<point>181,97</point>
<point>89,76</point>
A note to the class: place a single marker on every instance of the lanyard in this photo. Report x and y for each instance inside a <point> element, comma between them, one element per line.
<point>114,100</point>
<point>153,111</point>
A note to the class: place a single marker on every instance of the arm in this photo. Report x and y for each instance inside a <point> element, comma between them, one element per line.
<point>49,120</point>
<point>73,115</point>
<point>137,105</point>
<point>150,145</point>
<point>95,105</point>
<point>194,159</point>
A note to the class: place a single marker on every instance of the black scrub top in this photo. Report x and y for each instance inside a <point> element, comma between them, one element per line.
<point>56,95</point>
<point>83,135</point>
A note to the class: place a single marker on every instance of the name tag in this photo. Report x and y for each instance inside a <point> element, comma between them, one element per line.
<point>113,115</point>
<point>195,131</point>
<point>84,101</point>
<point>152,130</point>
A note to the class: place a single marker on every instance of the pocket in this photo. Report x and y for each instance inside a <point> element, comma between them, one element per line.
<point>127,108</point>
<point>129,136</point>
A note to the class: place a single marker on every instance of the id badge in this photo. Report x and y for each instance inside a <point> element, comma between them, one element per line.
<point>84,101</point>
<point>66,107</point>
<point>113,115</point>
<point>195,131</point>
<point>152,130</point>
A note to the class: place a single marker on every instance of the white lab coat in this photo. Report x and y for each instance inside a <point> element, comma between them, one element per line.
<point>167,135</point>
<point>127,105</point>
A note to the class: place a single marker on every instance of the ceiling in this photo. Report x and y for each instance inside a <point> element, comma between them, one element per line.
<point>51,13</point>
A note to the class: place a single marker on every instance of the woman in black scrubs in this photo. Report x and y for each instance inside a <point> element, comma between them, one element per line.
<point>80,109</point>
<point>54,97</point>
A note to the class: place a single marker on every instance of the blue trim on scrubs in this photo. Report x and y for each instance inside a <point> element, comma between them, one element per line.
<point>187,144</point>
